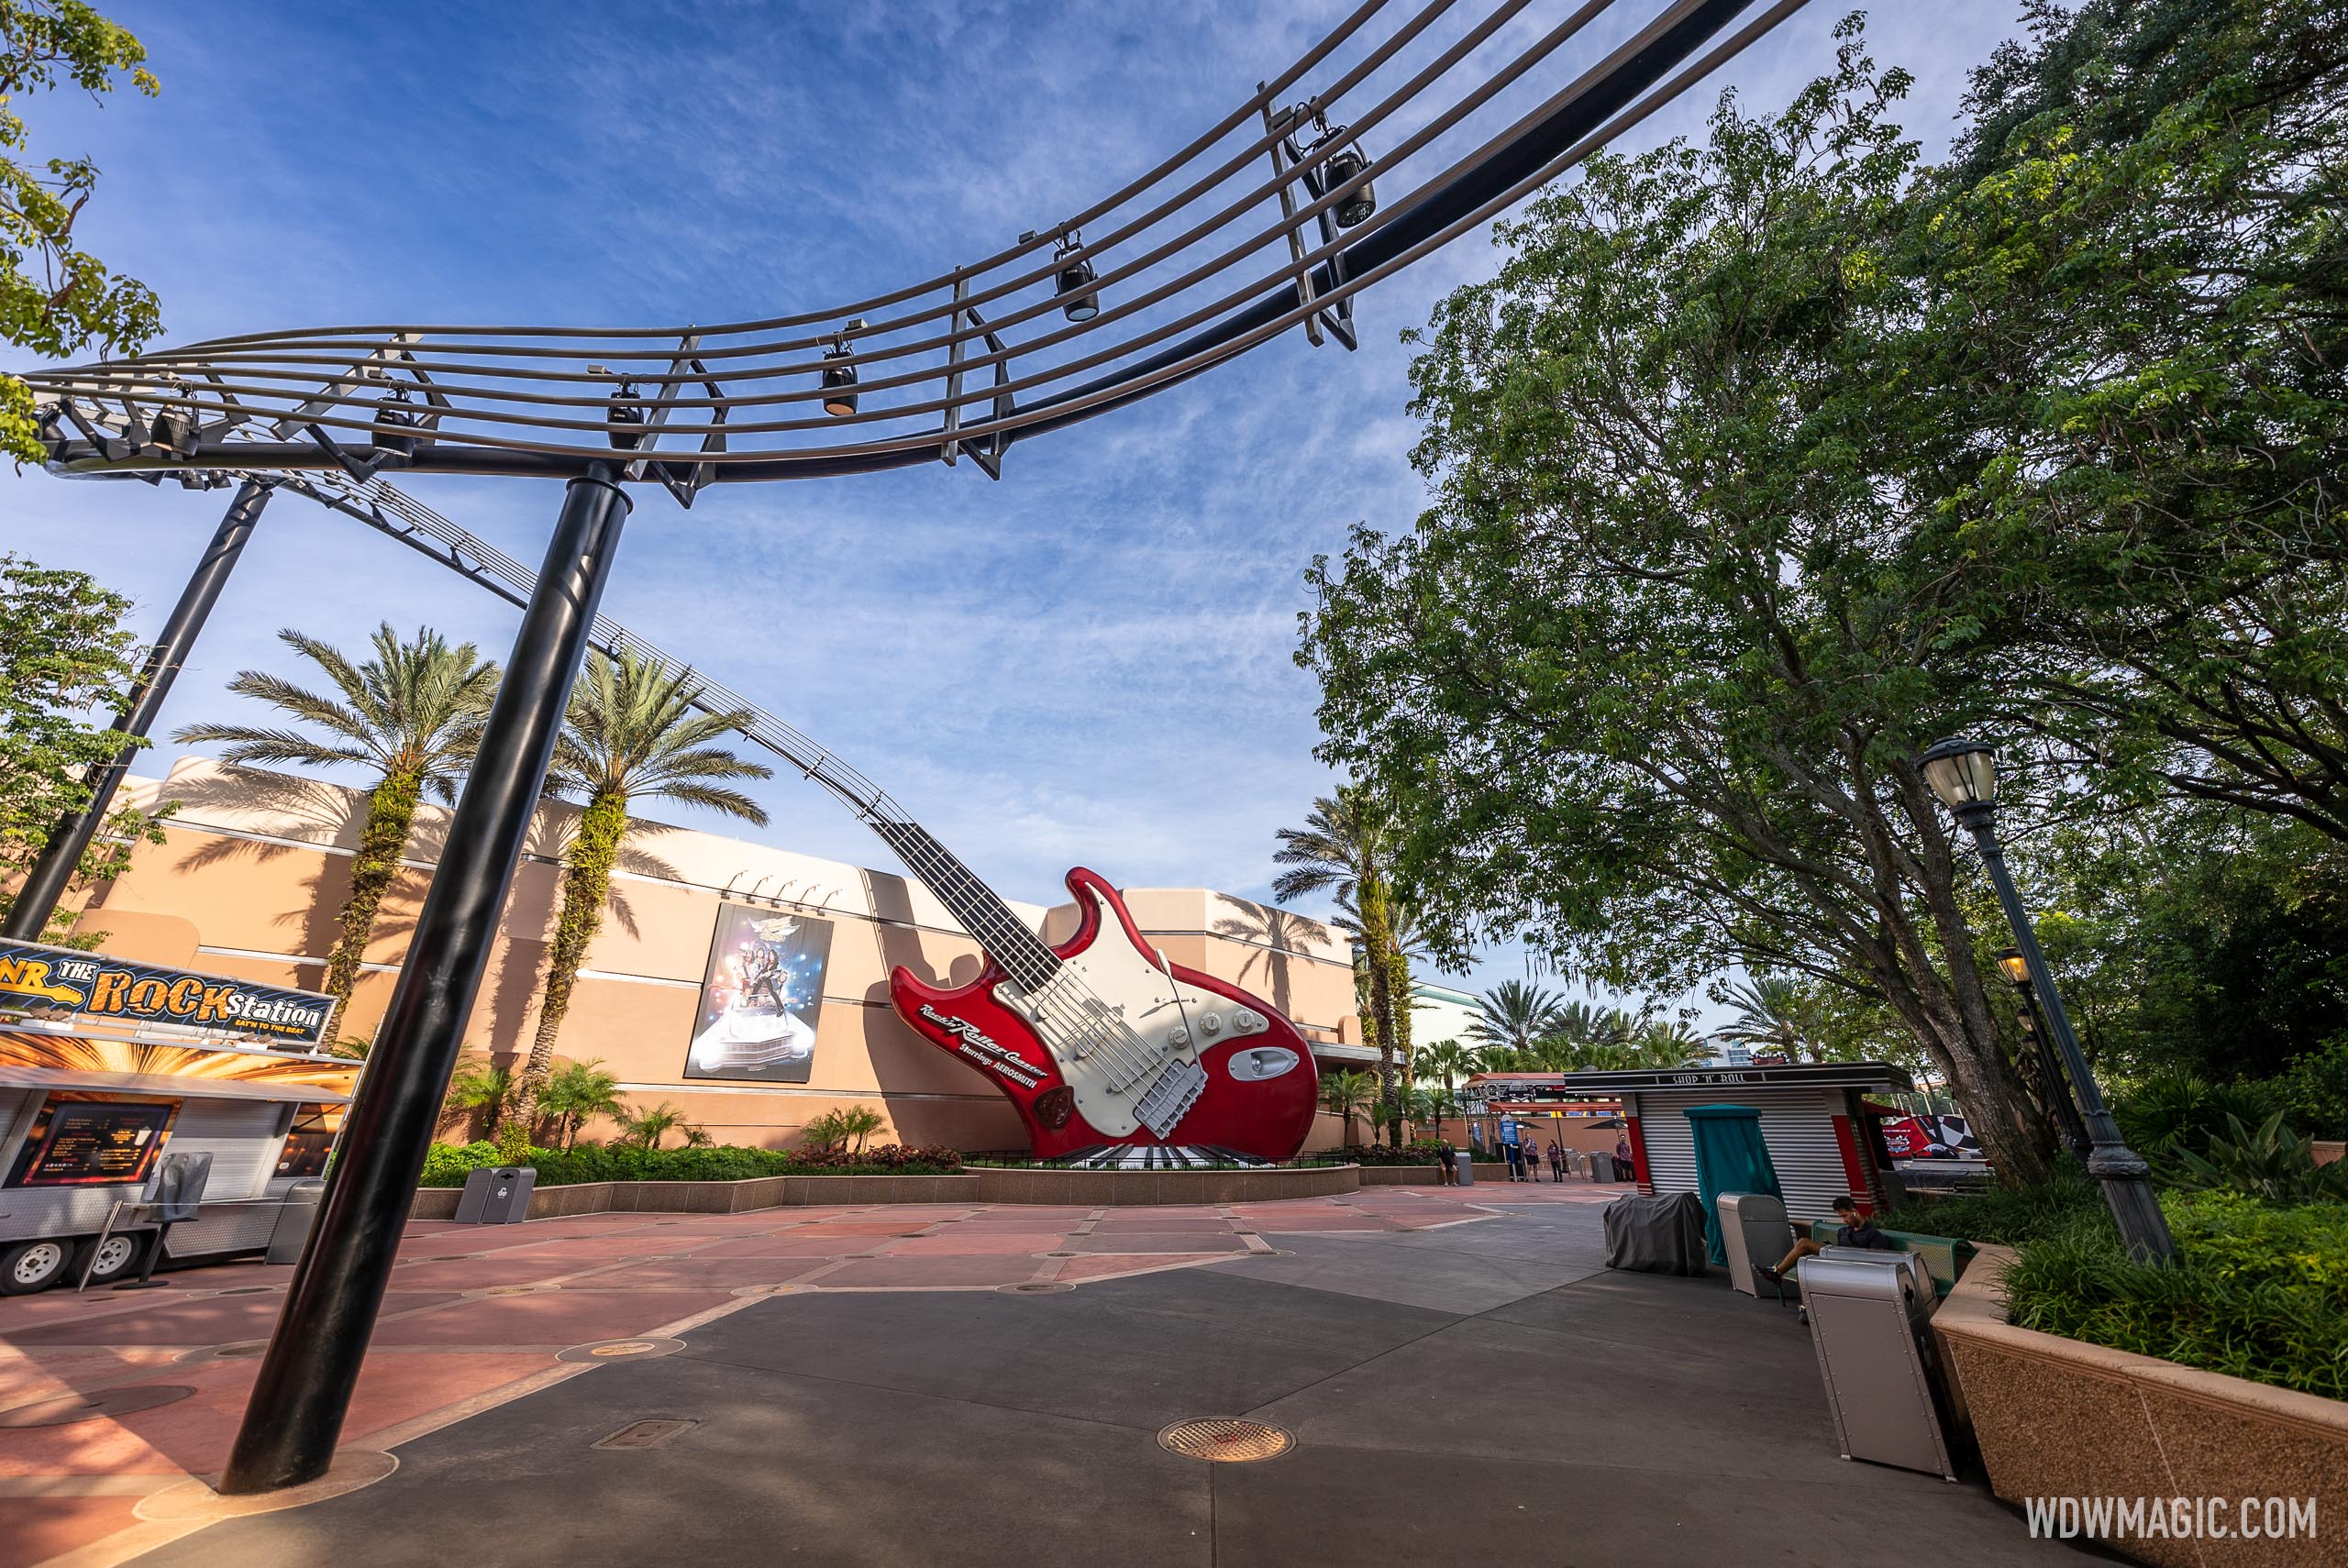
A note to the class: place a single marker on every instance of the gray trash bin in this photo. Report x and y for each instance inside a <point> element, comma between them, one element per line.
<point>1753,1233</point>
<point>1465,1166</point>
<point>1600,1166</point>
<point>287,1237</point>
<point>1870,1322</point>
<point>497,1196</point>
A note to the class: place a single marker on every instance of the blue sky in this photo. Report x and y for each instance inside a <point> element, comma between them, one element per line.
<point>1086,663</point>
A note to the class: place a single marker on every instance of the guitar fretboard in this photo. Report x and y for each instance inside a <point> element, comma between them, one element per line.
<point>1017,950</point>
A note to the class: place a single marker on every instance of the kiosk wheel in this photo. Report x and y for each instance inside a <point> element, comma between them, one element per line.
<point>30,1266</point>
<point>114,1258</point>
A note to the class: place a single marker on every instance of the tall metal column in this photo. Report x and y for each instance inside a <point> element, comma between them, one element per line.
<point>70,840</point>
<point>296,1410</point>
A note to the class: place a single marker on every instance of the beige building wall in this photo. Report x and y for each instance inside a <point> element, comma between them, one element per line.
<point>255,866</point>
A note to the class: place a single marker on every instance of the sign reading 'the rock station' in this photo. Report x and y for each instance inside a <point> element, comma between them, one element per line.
<point>58,987</point>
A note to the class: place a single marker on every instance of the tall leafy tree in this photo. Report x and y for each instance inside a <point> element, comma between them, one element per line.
<point>65,655</point>
<point>412,714</point>
<point>1345,847</point>
<point>1348,1094</point>
<point>2133,292</point>
<point>55,297</point>
<point>1768,1015</point>
<point>632,734</point>
<point>1647,683</point>
<point>1448,1061</point>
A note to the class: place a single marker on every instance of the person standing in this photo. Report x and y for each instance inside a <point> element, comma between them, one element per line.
<point>1623,1170</point>
<point>1556,1161</point>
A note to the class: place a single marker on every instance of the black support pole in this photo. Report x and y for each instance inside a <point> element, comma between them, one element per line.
<point>70,840</point>
<point>295,1413</point>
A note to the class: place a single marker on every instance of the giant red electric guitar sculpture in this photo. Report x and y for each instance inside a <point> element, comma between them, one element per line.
<point>1102,1044</point>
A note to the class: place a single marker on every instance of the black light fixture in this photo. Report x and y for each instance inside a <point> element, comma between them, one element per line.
<point>396,424</point>
<point>2015,967</point>
<point>839,373</point>
<point>1964,774</point>
<point>174,427</point>
<point>1347,169</point>
<point>1072,276</point>
<point>626,417</point>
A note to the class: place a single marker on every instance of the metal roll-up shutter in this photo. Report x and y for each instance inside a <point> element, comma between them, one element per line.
<point>1797,1125</point>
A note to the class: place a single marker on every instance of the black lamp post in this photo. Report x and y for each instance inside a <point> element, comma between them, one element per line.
<point>2051,1083</point>
<point>1964,774</point>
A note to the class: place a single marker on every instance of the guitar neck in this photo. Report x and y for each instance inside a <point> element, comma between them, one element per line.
<point>1017,950</point>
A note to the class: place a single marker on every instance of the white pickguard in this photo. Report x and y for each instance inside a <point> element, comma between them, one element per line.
<point>1127,1037</point>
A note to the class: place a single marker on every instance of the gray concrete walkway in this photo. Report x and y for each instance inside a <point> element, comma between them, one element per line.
<point>1479,1394</point>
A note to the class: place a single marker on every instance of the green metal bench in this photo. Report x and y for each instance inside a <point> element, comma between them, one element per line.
<point>1945,1257</point>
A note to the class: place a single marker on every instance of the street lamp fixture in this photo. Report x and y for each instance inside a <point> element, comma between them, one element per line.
<point>2015,966</point>
<point>839,375</point>
<point>2051,1087</point>
<point>1963,773</point>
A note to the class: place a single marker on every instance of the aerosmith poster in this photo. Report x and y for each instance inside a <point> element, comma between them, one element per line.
<point>759,999</point>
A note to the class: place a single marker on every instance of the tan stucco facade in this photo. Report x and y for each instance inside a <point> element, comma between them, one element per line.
<point>255,868</point>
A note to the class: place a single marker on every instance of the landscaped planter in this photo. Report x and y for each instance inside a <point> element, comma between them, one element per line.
<point>2056,1417</point>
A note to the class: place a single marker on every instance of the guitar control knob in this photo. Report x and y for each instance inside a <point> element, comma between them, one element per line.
<point>1210,1023</point>
<point>1245,1021</point>
<point>1178,1035</point>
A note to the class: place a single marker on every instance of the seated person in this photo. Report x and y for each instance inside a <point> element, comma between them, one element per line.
<point>1856,1229</point>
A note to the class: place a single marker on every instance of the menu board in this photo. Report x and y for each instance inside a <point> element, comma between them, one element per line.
<point>95,1143</point>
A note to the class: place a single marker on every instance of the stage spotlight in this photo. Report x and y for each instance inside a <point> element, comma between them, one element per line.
<point>1347,169</point>
<point>839,375</point>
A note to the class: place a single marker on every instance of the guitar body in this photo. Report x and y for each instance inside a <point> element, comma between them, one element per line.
<point>1077,1087</point>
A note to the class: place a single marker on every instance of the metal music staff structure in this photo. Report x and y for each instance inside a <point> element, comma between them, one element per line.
<point>1329,179</point>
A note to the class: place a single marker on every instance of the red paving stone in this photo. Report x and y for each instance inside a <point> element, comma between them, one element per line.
<point>968,1244</point>
<point>1159,1242</point>
<point>556,1318</point>
<point>1074,1270</point>
<point>929,1273</point>
<point>34,1530</point>
<point>715,1273</point>
<point>790,1246</point>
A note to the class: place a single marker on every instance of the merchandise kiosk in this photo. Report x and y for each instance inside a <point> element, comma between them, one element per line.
<point>1813,1120</point>
<point>109,1068</point>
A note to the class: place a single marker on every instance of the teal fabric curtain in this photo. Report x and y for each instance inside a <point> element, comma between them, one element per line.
<point>1730,1157</point>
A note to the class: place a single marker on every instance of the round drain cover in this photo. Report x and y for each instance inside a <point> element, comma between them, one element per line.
<point>621,1350</point>
<point>1226,1442</point>
<point>90,1406</point>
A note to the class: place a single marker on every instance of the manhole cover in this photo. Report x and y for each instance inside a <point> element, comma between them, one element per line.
<point>1063,1255</point>
<point>1226,1442</point>
<point>645,1434</point>
<point>1036,1288</point>
<point>621,1350</point>
<point>90,1406</point>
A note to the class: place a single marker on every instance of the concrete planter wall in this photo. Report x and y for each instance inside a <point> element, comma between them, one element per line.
<point>1106,1190</point>
<point>2056,1418</point>
<point>1425,1175</point>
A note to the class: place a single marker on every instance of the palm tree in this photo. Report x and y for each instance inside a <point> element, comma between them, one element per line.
<point>578,1092</point>
<point>480,1086</point>
<point>1349,1094</point>
<point>412,714</point>
<point>632,733</point>
<point>1768,1014</point>
<point>1513,1016</point>
<point>647,1128</point>
<point>1346,847</point>
<point>1449,1062</point>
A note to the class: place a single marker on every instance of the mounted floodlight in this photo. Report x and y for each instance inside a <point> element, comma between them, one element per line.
<point>395,423</point>
<point>174,428</point>
<point>626,412</point>
<point>1347,169</point>
<point>839,374</point>
<point>1079,299</point>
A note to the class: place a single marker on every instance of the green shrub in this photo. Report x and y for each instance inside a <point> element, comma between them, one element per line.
<point>2071,1200</point>
<point>2315,1091</point>
<point>2259,1291</point>
<point>2178,1112</point>
<point>2272,1164</point>
<point>447,1164</point>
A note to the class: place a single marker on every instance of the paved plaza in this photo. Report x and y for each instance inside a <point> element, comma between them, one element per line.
<point>1464,1382</point>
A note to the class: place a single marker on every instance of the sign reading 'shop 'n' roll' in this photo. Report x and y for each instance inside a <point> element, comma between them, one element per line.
<point>56,985</point>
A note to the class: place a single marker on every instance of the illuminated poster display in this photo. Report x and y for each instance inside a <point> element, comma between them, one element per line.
<point>94,1143</point>
<point>761,996</point>
<point>60,988</point>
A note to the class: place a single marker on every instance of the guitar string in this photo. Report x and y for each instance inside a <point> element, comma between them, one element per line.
<point>916,843</point>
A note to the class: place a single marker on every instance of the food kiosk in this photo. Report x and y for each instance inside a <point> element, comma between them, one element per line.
<point>108,1068</point>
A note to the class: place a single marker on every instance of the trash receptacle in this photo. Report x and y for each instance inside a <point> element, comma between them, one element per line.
<point>1756,1233</point>
<point>1465,1166</point>
<point>292,1231</point>
<point>497,1196</point>
<point>1600,1166</point>
<point>1870,1324</point>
